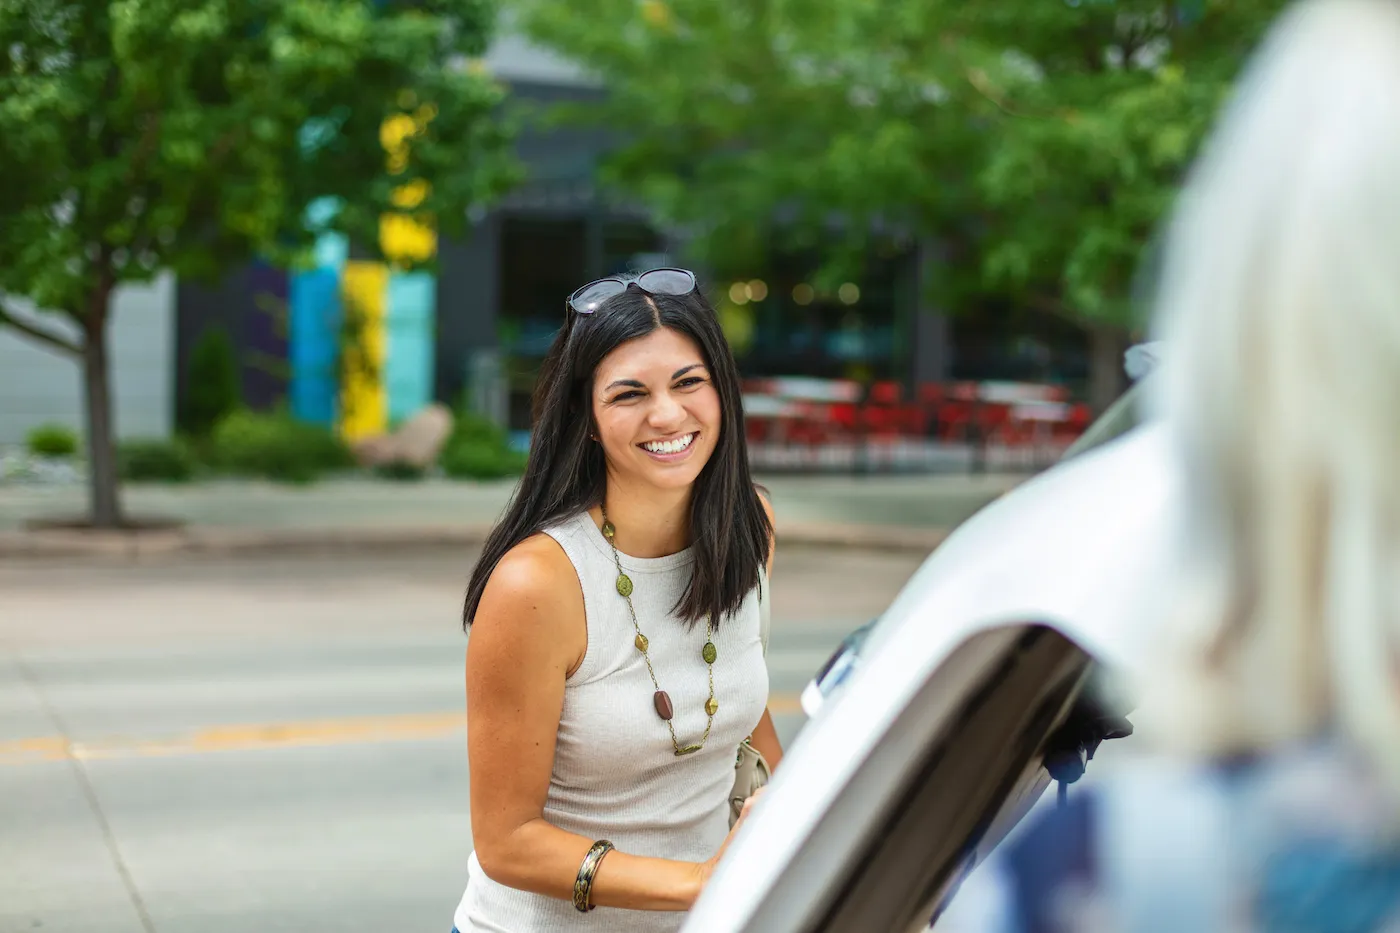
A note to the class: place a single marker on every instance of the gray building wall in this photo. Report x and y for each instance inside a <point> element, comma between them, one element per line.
<point>41,386</point>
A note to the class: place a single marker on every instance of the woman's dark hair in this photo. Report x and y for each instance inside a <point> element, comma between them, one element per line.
<point>566,473</point>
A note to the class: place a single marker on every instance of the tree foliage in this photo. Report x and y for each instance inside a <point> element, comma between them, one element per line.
<point>190,135</point>
<point>1038,140</point>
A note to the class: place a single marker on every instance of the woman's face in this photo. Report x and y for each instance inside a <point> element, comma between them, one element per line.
<point>657,409</point>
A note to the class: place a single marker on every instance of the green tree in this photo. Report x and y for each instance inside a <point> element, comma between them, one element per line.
<point>191,135</point>
<point>1038,142</point>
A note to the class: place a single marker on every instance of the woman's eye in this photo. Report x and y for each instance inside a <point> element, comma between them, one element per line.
<point>687,383</point>
<point>625,396</point>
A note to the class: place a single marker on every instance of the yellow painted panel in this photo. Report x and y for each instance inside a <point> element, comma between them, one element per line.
<point>364,404</point>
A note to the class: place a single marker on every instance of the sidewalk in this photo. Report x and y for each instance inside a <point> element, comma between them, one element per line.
<point>905,512</point>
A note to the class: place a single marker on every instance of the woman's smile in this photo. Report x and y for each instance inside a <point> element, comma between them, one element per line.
<point>673,449</point>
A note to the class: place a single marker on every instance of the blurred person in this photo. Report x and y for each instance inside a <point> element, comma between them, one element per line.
<point>614,662</point>
<point>1274,804</point>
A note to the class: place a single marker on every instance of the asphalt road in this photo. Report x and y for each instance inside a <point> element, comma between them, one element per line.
<point>276,745</point>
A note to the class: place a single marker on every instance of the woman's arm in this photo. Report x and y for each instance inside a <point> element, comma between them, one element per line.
<point>528,635</point>
<point>765,739</point>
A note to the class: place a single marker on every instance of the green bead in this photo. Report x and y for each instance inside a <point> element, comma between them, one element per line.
<point>709,653</point>
<point>624,584</point>
<point>609,531</point>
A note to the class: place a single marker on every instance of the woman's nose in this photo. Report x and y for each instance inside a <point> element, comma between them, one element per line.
<point>666,411</point>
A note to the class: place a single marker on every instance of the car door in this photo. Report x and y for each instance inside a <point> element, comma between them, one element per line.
<point>936,741</point>
<point>952,773</point>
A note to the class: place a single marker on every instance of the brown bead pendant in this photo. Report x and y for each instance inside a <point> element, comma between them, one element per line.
<point>664,709</point>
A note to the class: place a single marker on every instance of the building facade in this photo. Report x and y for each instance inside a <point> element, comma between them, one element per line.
<point>39,385</point>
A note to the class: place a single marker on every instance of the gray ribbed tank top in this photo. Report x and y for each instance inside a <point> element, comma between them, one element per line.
<point>615,773</point>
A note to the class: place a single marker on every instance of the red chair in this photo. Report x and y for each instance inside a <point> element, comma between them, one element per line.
<point>954,419</point>
<point>884,393</point>
<point>879,421</point>
<point>913,420</point>
<point>993,420</point>
<point>963,391</point>
<point>844,416</point>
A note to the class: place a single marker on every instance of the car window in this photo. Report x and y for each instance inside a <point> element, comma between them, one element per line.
<point>940,787</point>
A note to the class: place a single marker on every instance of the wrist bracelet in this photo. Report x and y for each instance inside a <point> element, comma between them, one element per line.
<point>583,884</point>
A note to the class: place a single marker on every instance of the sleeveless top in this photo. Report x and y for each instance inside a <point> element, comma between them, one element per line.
<point>615,774</point>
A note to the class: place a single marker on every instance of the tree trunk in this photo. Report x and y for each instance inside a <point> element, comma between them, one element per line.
<point>103,491</point>
<point>1106,378</point>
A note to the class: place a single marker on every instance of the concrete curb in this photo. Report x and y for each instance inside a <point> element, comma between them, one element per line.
<point>227,542</point>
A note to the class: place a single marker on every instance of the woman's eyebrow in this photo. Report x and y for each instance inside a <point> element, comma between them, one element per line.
<point>634,384</point>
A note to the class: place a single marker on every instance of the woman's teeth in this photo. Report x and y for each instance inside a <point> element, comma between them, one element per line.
<point>670,447</point>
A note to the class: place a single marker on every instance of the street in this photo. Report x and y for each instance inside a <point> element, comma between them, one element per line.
<point>194,745</point>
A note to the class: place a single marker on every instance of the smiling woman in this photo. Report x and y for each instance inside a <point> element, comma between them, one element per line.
<point>616,662</point>
<point>673,417</point>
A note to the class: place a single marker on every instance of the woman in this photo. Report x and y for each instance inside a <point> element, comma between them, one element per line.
<point>1278,807</point>
<point>615,662</point>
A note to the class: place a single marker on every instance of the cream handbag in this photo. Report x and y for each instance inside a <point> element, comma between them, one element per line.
<point>750,769</point>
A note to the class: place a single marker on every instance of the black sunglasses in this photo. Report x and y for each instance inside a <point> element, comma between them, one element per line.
<point>654,282</point>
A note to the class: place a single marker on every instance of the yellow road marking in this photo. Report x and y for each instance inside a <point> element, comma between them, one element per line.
<point>359,730</point>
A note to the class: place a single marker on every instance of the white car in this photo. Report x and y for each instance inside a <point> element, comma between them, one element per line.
<point>934,730</point>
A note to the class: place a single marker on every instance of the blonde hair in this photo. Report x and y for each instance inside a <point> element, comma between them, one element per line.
<point>1280,305</point>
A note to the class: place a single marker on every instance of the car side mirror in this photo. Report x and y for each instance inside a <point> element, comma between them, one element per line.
<point>1100,714</point>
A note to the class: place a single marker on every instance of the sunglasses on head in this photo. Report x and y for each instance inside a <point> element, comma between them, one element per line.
<point>590,297</point>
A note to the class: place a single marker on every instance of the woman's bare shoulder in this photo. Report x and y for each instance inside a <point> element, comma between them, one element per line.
<point>534,592</point>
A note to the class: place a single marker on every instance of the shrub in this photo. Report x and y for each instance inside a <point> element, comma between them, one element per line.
<point>474,458</point>
<point>400,470</point>
<point>155,460</point>
<point>277,447</point>
<point>470,426</point>
<point>52,440</point>
<point>479,449</point>
<point>212,391</point>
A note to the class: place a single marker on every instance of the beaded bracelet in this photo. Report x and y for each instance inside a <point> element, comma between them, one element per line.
<point>583,884</point>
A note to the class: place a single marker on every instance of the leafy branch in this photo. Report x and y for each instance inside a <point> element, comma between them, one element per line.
<point>37,332</point>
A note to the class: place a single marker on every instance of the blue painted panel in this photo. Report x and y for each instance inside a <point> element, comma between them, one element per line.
<point>411,326</point>
<point>313,335</point>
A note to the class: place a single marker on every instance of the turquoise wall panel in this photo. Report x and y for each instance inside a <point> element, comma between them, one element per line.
<point>411,326</point>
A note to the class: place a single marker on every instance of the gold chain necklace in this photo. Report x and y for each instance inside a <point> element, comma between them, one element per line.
<point>661,699</point>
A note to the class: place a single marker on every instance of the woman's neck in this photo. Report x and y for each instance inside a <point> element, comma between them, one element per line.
<point>649,522</point>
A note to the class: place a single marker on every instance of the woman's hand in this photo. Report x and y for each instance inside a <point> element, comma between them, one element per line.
<point>707,868</point>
